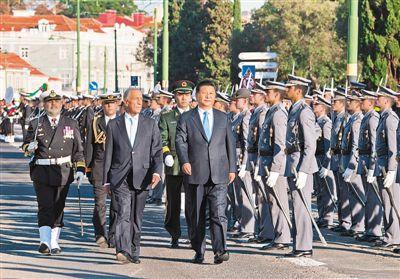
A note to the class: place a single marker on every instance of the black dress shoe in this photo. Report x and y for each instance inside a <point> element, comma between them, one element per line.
<point>101,241</point>
<point>382,244</point>
<point>221,257</point>
<point>44,249</point>
<point>339,229</point>
<point>174,243</point>
<point>263,240</point>
<point>135,260</point>
<point>396,250</point>
<point>275,246</point>
<point>56,251</point>
<point>124,258</point>
<point>198,258</point>
<point>111,244</point>
<point>299,253</point>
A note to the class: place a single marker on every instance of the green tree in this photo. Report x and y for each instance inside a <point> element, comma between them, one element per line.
<point>186,39</point>
<point>303,32</point>
<point>91,8</point>
<point>379,41</point>
<point>216,52</point>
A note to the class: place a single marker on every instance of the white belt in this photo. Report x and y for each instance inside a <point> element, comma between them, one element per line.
<point>53,161</point>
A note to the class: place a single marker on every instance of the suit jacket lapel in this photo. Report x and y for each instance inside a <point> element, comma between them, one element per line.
<point>122,129</point>
<point>140,131</point>
<point>198,123</point>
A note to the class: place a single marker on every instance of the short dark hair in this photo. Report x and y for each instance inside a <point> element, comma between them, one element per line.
<point>206,82</point>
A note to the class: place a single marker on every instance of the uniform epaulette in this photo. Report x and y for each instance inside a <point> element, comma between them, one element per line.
<point>394,114</point>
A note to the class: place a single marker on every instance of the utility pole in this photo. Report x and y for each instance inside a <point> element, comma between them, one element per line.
<point>165,47</point>
<point>352,41</point>
<point>89,66</point>
<point>78,46</point>
<point>105,71</point>
<point>155,54</point>
<point>116,59</point>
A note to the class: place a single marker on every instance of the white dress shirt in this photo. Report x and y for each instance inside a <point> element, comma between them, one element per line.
<point>57,119</point>
<point>181,111</point>
<point>108,118</point>
<point>210,117</point>
<point>131,123</point>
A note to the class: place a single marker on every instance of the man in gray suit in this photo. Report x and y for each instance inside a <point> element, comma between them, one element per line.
<point>206,149</point>
<point>366,166</point>
<point>386,166</point>
<point>301,164</point>
<point>132,165</point>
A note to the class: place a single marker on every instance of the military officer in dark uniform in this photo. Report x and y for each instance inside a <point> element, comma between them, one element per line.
<point>94,155</point>
<point>173,175</point>
<point>55,142</point>
<point>86,116</point>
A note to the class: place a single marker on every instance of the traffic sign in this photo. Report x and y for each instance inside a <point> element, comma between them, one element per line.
<point>134,81</point>
<point>249,70</point>
<point>259,65</point>
<point>257,55</point>
<point>262,75</point>
<point>93,86</point>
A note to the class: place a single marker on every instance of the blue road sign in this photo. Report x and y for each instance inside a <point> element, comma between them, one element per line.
<point>249,70</point>
<point>93,86</point>
<point>134,81</point>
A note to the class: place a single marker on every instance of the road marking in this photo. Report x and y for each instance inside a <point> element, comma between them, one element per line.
<point>307,262</point>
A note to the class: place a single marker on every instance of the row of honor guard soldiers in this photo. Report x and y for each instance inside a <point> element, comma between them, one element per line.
<point>336,145</point>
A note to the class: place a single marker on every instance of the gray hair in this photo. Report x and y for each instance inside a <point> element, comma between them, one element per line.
<point>128,91</point>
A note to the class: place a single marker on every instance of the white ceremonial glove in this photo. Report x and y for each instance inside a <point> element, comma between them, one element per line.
<point>347,175</point>
<point>242,171</point>
<point>301,180</point>
<point>169,160</point>
<point>272,178</point>
<point>370,177</point>
<point>256,176</point>
<point>32,146</point>
<point>389,179</point>
<point>79,176</point>
<point>323,172</point>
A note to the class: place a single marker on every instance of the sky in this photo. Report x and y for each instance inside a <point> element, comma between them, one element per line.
<point>148,5</point>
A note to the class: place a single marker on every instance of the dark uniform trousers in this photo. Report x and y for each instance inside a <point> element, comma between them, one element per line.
<point>100,211</point>
<point>197,198</point>
<point>130,205</point>
<point>172,219</point>
<point>51,203</point>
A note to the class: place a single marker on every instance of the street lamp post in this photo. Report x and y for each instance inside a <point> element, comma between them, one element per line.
<point>155,54</point>
<point>78,46</point>
<point>352,41</point>
<point>116,59</point>
<point>165,46</point>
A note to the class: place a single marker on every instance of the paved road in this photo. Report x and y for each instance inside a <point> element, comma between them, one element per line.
<point>81,258</point>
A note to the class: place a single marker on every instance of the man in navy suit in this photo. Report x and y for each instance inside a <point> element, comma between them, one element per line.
<point>132,165</point>
<point>206,149</point>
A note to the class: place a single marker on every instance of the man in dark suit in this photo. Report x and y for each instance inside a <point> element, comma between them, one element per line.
<point>132,165</point>
<point>206,149</point>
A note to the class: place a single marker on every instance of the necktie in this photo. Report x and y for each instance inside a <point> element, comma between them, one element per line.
<point>131,135</point>
<point>206,125</point>
<point>53,122</point>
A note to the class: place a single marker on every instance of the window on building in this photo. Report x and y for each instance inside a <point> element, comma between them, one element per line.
<point>62,53</point>
<point>24,52</point>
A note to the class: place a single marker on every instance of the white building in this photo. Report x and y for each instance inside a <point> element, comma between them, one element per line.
<point>48,43</point>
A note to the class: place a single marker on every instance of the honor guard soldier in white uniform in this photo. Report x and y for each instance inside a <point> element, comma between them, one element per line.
<point>55,143</point>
